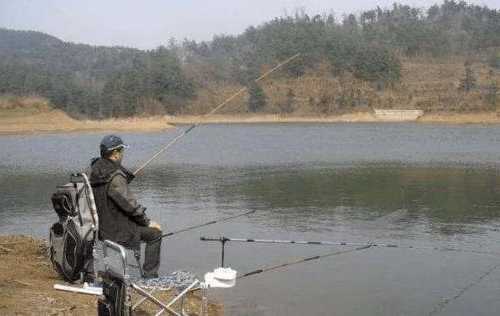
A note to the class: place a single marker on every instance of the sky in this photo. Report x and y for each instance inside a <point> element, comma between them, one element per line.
<point>147,24</point>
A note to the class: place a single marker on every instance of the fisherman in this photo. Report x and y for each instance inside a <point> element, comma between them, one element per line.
<point>121,218</point>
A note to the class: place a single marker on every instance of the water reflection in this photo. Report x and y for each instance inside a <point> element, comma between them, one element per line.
<point>416,194</point>
<point>448,200</point>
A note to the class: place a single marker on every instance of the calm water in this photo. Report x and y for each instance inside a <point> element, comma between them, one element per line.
<point>419,185</point>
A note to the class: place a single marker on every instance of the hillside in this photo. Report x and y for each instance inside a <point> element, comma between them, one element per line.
<point>429,84</point>
<point>445,58</point>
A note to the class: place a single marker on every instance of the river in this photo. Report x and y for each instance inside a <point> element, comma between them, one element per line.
<point>409,184</point>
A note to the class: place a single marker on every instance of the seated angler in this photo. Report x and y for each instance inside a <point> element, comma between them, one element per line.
<point>121,218</point>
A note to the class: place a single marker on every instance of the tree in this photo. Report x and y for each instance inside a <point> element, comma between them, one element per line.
<point>256,98</point>
<point>376,64</point>
<point>492,90</point>
<point>468,83</point>
<point>288,105</point>
<point>494,60</point>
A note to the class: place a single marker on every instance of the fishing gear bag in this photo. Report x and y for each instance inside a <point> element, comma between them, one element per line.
<point>72,237</point>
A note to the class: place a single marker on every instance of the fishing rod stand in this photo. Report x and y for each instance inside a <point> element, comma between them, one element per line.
<point>222,241</point>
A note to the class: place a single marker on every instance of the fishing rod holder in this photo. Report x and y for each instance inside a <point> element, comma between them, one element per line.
<point>222,241</point>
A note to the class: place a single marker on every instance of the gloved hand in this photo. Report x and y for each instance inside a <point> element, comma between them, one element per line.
<point>155,225</point>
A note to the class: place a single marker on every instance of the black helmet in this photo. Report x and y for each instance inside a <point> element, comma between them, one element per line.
<point>110,143</point>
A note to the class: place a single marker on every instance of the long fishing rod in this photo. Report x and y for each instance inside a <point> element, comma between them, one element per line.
<point>297,261</point>
<point>223,240</point>
<point>218,107</point>
<point>204,224</point>
<point>302,260</point>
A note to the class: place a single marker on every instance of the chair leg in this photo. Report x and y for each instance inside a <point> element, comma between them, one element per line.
<point>142,300</point>
<point>137,256</point>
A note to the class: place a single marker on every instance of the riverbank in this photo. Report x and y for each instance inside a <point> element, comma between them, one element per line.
<point>31,115</point>
<point>27,280</point>
<point>35,118</point>
<point>58,122</point>
<point>358,117</point>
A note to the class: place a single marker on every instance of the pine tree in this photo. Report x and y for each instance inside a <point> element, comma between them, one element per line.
<point>288,105</point>
<point>256,99</point>
<point>468,83</point>
<point>491,94</point>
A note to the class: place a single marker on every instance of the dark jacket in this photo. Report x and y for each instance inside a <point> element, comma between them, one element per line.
<point>119,213</point>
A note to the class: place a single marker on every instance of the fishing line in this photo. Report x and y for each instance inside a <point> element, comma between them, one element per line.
<point>218,107</point>
<point>439,308</point>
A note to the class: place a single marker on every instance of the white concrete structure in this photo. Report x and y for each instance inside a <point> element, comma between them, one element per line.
<point>398,115</point>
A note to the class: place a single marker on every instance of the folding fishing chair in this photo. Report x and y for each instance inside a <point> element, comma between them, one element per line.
<point>118,286</point>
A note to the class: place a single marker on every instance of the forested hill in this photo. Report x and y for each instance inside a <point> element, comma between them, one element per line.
<point>81,79</point>
<point>355,60</point>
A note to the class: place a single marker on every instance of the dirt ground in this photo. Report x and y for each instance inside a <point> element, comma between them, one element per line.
<point>25,115</point>
<point>27,280</point>
<point>56,121</point>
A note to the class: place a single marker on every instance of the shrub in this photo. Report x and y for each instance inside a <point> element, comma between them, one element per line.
<point>494,60</point>
<point>376,64</point>
<point>468,83</point>
<point>256,99</point>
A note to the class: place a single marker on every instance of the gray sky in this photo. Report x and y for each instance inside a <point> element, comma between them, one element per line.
<point>149,23</point>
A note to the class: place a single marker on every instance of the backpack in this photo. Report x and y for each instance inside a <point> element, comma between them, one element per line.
<point>72,237</point>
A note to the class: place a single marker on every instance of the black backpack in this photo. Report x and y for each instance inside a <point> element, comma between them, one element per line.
<point>73,236</point>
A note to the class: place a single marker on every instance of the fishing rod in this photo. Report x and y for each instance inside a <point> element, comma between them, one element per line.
<point>204,224</point>
<point>302,260</point>
<point>218,107</point>
<point>223,241</point>
<point>294,262</point>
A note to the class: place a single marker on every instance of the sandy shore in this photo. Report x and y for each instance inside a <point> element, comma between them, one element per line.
<point>58,122</point>
<point>27,279</point>
<point>462,118</point>
<point>359,117</point>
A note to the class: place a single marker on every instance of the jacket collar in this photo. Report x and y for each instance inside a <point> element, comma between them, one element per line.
<point>103,171</point>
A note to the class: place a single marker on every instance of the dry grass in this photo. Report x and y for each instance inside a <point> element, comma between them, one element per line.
<point>27,279</point>
<point>428,84</point>
<point>34,115</point>
<point>461,118</point>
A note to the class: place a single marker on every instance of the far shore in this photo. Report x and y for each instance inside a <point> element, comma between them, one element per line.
<point>58,122</point>
<point>357,117</point>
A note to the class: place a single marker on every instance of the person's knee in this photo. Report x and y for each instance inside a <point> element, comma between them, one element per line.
<point>154,234</point>
<point>157,233</point>
<point>148,234</point>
